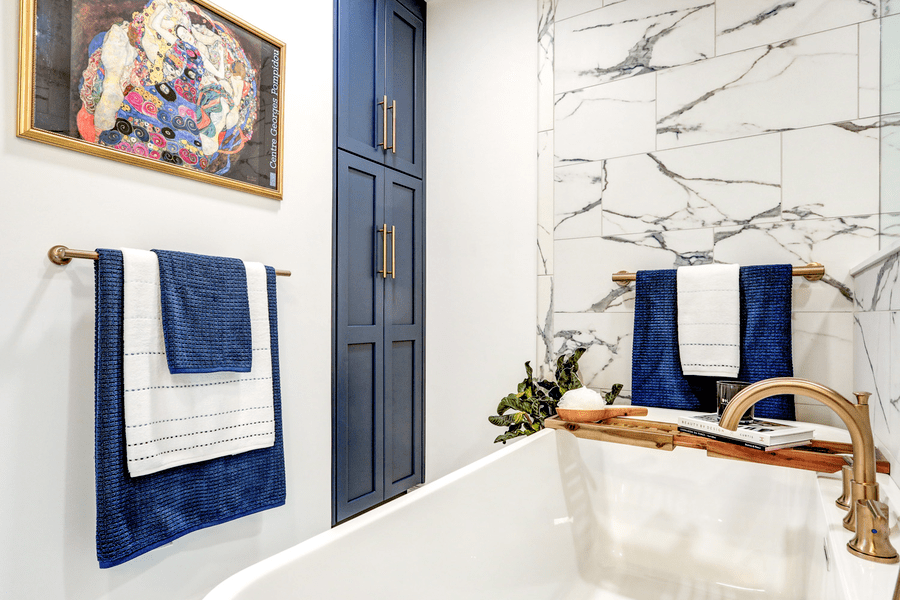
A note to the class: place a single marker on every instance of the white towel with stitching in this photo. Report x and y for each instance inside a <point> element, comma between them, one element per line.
<point>709,320</point>
<point>173,420</point>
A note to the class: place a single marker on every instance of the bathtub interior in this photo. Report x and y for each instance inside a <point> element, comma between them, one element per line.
<point>558,517</point>
<point>653,524</point>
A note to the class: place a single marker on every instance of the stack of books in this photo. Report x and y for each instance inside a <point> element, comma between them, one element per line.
<point>753,433</point>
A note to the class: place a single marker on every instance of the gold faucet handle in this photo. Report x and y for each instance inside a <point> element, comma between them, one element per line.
<point>846,495</point>
<point>862,398</point>
<point>872,540</point>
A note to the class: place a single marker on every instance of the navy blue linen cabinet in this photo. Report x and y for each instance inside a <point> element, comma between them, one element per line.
<point>378,405</point>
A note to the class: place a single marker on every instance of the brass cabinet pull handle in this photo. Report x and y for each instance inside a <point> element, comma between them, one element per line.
<point>384,108</point>
<point>393,109</point>
<point>384,233</point>
<point>393,252</point>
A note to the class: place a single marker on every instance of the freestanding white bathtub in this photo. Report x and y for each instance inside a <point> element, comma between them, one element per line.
<point>556,517</point>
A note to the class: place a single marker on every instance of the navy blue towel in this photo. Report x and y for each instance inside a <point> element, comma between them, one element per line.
<point>137,515</point>
<point>766,333</point>
<point>656,375</point>
<point>205,312</point>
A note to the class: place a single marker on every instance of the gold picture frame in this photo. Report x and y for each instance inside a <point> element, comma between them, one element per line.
<point>191,89</point>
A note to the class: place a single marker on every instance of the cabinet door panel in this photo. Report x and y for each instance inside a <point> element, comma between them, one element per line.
<point>363,253</point>
<point>361,48</point>
<point>405,83</point>
<point>363,423</point>
<point>404,336</point>
<point>359,338</point>
<point>401,215</point>
<point>404,413</point>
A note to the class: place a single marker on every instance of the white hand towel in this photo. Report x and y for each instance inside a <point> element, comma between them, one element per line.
<point>173,420</point>
<point>709,320</point>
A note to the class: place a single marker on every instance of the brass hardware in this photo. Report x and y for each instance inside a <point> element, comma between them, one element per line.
<point>61,255</point>
<point>846,477</point>
<point>855,416</point>
<point>384,108</point>
<point>872,540</point>
<point>812,272</point>
<point>393,145</point>
<point>384,233</point>
<point>393,252</point>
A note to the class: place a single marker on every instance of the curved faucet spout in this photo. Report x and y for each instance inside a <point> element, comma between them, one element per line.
<point>854,416</point>
<point>865,512</point>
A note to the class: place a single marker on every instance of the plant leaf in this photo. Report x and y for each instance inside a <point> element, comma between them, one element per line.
<point>503,437</point>
<point>611,395</point>
<point>501,421</point>
<point>510,402</point>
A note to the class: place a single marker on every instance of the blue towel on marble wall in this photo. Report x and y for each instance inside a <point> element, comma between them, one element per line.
<point>766,333</point>
<point>140,514</point>
<point>656,375</point>
<point>206,314</point>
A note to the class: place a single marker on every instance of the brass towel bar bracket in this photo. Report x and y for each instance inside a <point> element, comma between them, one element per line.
<point>812,272</point>
<point>61,255</point>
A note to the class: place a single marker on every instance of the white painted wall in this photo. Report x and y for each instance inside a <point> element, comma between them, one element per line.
<point>481,219</point>
<point>53,196</point>
<point>481,216</point>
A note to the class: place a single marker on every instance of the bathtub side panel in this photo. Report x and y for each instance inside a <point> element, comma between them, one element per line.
<point>498,530</point>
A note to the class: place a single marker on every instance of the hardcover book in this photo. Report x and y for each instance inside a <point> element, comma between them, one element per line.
<point>738,442</point>
<point>762,433</point>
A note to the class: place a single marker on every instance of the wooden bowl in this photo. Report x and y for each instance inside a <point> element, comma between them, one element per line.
<point>573,415</point>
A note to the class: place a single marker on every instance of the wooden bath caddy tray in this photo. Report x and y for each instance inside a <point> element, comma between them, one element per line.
<point>817,456</point>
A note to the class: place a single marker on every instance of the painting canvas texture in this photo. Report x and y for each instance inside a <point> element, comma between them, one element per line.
<point>168,80</point>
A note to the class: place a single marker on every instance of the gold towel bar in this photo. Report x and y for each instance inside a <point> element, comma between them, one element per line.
<point>812,272</point>
<point>61,255</point>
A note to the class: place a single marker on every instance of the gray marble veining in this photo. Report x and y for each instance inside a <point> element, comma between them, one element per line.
<point>632,38</point>
<point>831,170</point>
<point>742,24</point>
<point>727,183</point>
<point>836,243</point>
<point>603,121</point>
<point>805,81</point>
<point>607,340</point>
<point>546,32</point>
<point>584,266</point>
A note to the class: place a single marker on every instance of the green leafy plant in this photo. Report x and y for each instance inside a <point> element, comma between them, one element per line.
<point>523,412</point>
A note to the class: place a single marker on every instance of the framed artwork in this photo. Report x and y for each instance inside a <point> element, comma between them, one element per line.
<point>179,86</point>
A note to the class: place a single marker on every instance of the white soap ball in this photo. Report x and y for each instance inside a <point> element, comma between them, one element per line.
<point>582,399</point>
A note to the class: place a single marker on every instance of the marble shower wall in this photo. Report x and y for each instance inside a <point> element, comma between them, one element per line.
<point>876,343</point>
<point>680,132</point>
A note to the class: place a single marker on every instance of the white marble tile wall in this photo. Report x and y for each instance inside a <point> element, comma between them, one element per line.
<point>876,349</point>
<point>696,131</point>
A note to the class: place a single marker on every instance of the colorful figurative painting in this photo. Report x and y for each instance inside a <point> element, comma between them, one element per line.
<point>169,81</point>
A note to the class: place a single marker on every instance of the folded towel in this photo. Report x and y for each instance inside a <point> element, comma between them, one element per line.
<point>656,376</point>
<point>135,515</point>
<point>766,333</point>
<point>178,419</point>
<point>709,320</point>
<point>205,314</point>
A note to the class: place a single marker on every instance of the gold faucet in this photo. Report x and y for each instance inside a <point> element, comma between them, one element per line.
<point>869,543</point>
